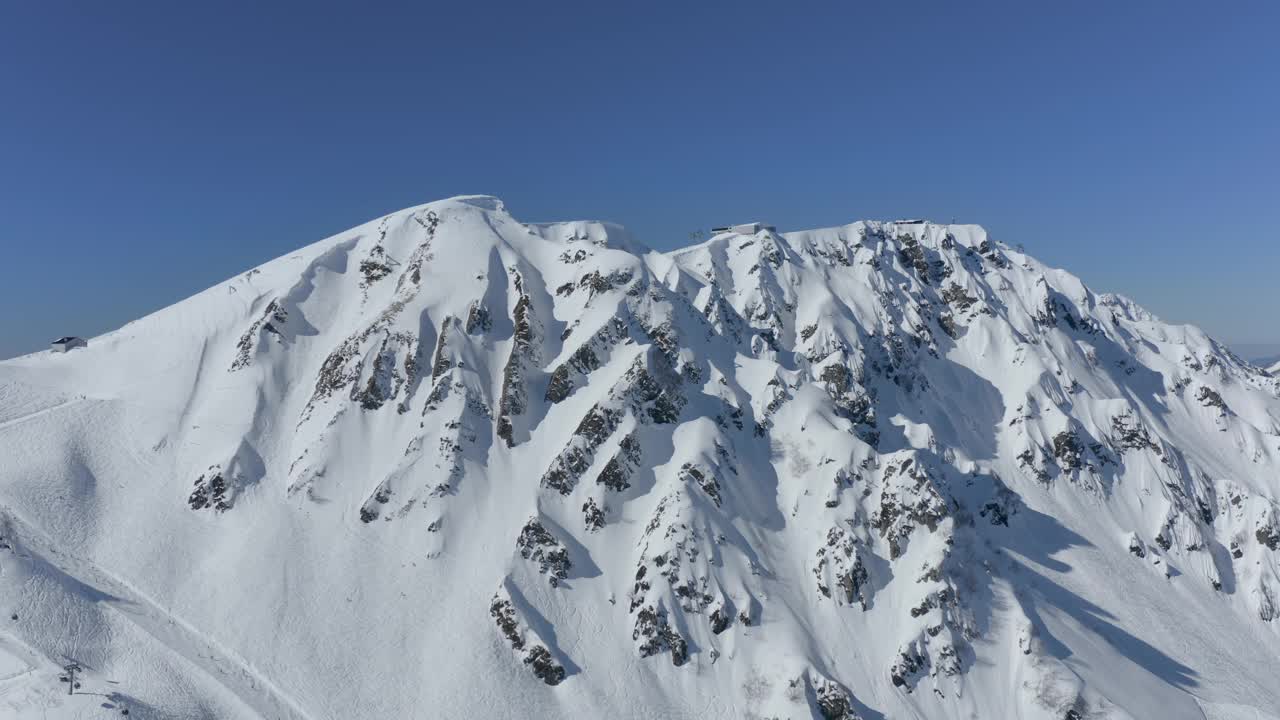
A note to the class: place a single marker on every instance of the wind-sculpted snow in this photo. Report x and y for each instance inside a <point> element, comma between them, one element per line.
<point>447,464</point>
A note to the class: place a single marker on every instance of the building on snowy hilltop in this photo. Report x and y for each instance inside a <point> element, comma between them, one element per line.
<point>64,344</point>
<point>750,228</point>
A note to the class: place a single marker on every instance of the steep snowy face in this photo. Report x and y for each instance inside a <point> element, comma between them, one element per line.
<point>875,471</point>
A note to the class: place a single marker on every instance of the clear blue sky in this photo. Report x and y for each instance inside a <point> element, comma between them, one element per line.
<point>150,149</point>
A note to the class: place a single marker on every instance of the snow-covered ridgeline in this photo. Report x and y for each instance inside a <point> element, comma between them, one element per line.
<point>879,470</point>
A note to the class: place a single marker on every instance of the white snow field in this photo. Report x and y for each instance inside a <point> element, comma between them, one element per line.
<point>449,465</point>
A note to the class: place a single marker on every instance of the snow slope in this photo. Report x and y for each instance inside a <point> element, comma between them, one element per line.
<point>447,464</point>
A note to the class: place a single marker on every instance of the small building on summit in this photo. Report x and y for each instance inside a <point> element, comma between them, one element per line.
<point>750,228</point>
<point>68,343</point>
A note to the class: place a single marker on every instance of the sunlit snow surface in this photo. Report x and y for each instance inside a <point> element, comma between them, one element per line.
<point>451,465</point>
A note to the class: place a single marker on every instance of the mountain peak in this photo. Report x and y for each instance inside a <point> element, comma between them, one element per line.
<point>484,202</point>
<point>885,469</point>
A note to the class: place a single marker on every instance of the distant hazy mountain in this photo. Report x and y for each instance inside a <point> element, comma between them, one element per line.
<point>451,465</point>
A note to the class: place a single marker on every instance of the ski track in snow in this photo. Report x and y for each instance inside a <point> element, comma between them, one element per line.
<point>14,422</point>
<point>220,664</point>
<point>15,661</point>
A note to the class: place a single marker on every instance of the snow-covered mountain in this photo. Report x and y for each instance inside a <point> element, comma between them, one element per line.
<point>447,464</point>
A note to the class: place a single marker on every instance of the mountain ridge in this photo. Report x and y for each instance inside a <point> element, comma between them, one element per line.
<point>876,470</point>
